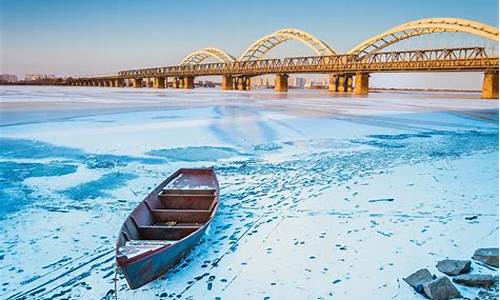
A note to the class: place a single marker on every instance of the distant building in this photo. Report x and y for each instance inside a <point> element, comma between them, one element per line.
<point>206,83</point>
<point>34,77</point>
<point>300,82</point>
<point>257,82</point>
<point>323,84</point>
<point>260,82</point>
<point>264,82</point>
<point>309,84</point>
<point>8,78</point>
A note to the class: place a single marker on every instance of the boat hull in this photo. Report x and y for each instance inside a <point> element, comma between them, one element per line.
<point>166,225</point>
<point>140,272</point>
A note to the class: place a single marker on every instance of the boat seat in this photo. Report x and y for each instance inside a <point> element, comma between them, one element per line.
<point>188,191</point>
<point>177,232</point>
<point>179,224</point>
<point>181,215</point>
<point>186,201</point>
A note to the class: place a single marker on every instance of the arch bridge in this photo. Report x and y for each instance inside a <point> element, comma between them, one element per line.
<point>347,69</point>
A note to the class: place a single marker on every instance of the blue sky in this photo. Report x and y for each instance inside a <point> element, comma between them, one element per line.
<point>70,37</point>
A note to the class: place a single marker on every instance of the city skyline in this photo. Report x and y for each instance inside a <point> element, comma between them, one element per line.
<point>100,37</point>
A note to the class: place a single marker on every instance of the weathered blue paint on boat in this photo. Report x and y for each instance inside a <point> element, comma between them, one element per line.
<point>146,247</point>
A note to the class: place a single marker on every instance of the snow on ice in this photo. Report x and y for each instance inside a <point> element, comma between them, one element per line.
<point>322,197</point>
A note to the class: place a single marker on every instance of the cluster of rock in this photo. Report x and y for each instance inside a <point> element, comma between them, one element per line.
<point>441,288</point>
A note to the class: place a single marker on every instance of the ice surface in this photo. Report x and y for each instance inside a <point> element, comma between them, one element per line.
<point>305,182</point>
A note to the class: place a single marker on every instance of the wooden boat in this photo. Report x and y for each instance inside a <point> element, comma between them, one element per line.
<point>166,225</point>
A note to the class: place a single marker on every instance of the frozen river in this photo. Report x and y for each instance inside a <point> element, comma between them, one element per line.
<point>321,197</point>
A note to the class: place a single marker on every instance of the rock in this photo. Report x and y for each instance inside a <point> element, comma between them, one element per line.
<point>441,289</point>
<point>487,255</point>
<point>475,280</point>
<point>453,267</point>
<point>418,279</point>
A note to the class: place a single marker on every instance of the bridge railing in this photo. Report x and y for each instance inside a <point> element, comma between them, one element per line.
<point>436,59</point>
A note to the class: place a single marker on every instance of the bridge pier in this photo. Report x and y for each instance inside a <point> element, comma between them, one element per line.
<point>362,84</point>
<point>137,82</point>
<point>348,83</point>
<point>240,83</point>
<point>176,83</point>
<point>227,82</point>
<point>490,85</point>
<point>159,82</point>
<point>281,83</point>
<point>119,82</point>
<point>340,83</point>
<point>188,82</point>
<point>248,83</point>
<point>243,83</point>
<point>332,83</point>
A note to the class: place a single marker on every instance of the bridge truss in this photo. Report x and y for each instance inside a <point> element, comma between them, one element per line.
<point>433,60</point>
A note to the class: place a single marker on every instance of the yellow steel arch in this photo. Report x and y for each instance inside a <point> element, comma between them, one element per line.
<point>200,55</point>
<point>263,45</point>
<point>421,27</point>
